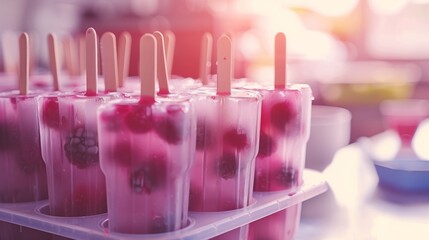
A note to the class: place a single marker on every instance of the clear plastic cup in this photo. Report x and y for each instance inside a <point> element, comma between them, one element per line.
<point>146,152</point>
<point>69,137</point>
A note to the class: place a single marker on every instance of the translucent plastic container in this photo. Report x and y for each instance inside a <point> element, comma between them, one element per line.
<point>147,187</point>
<point>202,225</point>
<point>69,141</point>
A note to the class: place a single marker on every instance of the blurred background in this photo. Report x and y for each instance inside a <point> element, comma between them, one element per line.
<point>354,53</point>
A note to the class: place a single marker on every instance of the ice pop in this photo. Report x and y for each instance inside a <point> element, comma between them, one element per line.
<point>285,120</point>
<point>23,172</point>
<point>226,146</point>
<point>146,151</point>
<point>68,127</point>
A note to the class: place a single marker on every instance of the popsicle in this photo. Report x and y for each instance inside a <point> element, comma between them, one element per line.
<point>226,146</point>
<point>22,170</point>
<point>285,120</point>
<point>146,151</point>
<point>68,128</point>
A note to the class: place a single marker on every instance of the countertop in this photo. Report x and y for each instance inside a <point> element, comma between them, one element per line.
<point>355,207</point>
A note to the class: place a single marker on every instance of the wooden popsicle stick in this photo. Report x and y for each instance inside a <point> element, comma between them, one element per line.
<point>53,60</point>
<point>109,61</point>
<point>206,55</point>
<point>67,54</point>
<point>148,65</point>
<point>224,65</point>
<point>161,64</point>
<point>82,55</point>
<point>9,52</point>
<point>280,61</point>
<point>170,42</point>
<point>91,62</point>
<point>24,63</point>
<point>124,51</point>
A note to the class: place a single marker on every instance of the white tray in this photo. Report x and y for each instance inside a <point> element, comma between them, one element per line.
<point>202,225</point>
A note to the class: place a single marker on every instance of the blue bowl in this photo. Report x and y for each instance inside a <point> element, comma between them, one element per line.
<point>407,175</point>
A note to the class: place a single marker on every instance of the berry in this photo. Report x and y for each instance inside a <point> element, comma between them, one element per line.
<point>287,176</point>
<point>30,160</point>
<point>281,114</point>
<point>9,136</point>
<point>139,119</point>
<point>236,138</point>
<point>112,120</point>
<point>51,113</point>
<point>121,153</point>
<point>267,145</point>
<point>227,166</point>
<point>204,135</point>
<point>169,129</point>
<point>158,225</point>
<point>150,175</point>
<point>81,147</point>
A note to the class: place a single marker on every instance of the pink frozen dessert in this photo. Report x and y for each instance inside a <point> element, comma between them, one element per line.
<point>147,146</point>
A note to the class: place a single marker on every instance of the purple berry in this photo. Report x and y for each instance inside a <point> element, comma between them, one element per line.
<point>287,176</point>
<point>169,129</point>
<point>267,145</point>
<point>81,147</point>
<point>281,114</point>
<point>121,153</point>
<point>227,166</point>
<point>9,136</point>
<point>152,174</point>
<point>236,138</point>
<point>139,119</point>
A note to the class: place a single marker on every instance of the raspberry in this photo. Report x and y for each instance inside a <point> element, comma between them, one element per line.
<point>51,113</point>
<point>267,145</point>
<point>81,147</point>
<point>121,153</point>
<point>112,120</point>
<point>139,119</point>
<point>281,114</point>
<point>227,166</point>
<point>169,130</point>
<point>150,175</point>
<point>236,138</point>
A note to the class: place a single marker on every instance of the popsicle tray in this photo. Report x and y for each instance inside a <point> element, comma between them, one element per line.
<point>201,225</point>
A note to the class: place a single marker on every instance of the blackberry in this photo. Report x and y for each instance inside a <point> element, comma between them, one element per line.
<point>227,166</point>
<point>152,174</point>
<point>287,176</point>
<point>81,147</point>
<point>9,136</point>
